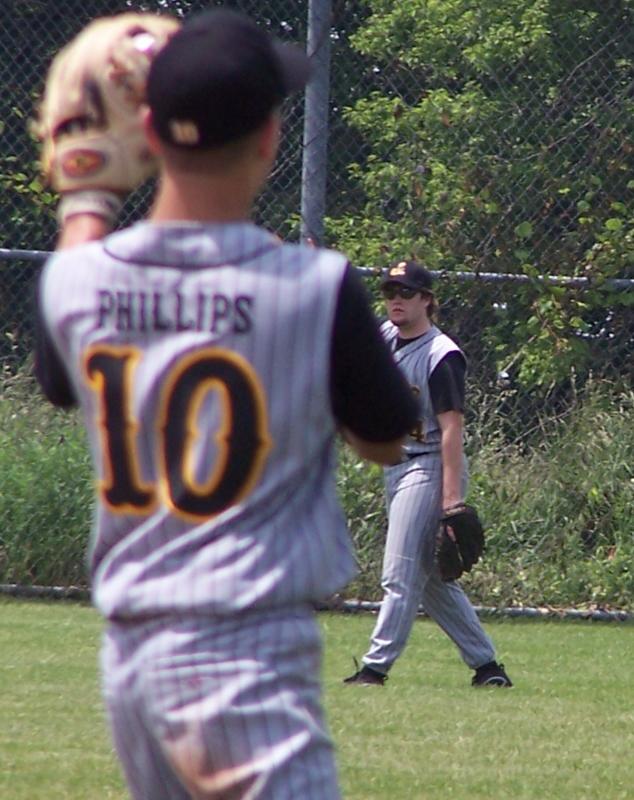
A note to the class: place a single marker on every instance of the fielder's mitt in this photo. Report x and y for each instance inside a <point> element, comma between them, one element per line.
<point>456,555</point>
<point>89,119</point>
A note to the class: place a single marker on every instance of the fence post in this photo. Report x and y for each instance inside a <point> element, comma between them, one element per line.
<point>315,156</point>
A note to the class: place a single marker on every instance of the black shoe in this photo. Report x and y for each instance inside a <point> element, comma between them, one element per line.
<point>366,675</point>
<point>491,674</point>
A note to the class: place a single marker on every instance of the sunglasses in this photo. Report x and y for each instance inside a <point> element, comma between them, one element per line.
<point>394,290</point>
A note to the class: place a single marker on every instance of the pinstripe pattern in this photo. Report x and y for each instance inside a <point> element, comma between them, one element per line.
<point>211,660</point>
<point>418,360</point>
<point>233,711</point>
<point>268,550</point>
<point>414,497</point>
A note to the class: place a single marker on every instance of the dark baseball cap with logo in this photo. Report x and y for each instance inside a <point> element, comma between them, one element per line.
<point>410,274</point>
<point>219,78</point>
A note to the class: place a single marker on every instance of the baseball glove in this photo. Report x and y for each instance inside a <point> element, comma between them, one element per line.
<point>89,120</point>
<point>457,553</point>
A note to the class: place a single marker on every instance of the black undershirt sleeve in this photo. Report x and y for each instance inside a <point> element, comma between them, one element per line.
<point>49,370</point>
<point>369,394</point>
<point>447,384</point>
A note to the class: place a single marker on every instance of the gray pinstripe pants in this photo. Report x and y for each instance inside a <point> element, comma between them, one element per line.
<point>414,496</point>
<point>222,709</point>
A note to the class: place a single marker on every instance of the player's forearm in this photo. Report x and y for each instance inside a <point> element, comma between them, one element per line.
<point>452,453</point>
<point>383,453</point>
<point>86,215</point>
<point>81,229</point>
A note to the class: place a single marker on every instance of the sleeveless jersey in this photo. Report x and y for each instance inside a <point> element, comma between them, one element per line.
<point>417,361</point>
<point>200,356</point>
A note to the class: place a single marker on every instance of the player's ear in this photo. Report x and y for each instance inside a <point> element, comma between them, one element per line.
<point>154,143</point>
<point>269,137</point>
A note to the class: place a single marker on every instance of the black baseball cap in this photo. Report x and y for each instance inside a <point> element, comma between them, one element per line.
<point>410,274</point>
<point>219,78</point>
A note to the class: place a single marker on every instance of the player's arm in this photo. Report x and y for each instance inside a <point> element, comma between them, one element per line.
<point>371,399</point>
<point>451,450</point>
<point>384,453</point>
<point>81,228</point>
<point>48,368</point>
<point>447,390</point>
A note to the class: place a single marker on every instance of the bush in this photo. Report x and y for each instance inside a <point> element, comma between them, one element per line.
<point>559,510</point>
<point>560,513</point>
<point>46,494</point>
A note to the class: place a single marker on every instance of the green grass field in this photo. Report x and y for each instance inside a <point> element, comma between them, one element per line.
<point>564,732</point>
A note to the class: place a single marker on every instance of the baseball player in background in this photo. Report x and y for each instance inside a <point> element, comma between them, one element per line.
<point>213,366</point>
<point>430,480</point>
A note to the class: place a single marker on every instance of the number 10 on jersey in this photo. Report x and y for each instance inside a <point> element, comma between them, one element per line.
<point>242,439</point>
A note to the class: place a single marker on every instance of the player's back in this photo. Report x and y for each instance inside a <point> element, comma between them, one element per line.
<point>201,358</point>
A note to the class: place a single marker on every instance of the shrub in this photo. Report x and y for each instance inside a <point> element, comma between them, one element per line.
<point>558,509</point>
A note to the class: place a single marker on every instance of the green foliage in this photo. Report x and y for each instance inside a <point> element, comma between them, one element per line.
<point>558,505</point>
<point>46,491</point>
<point>495,142</point>
<point>559,512</point>
<point>361,492</point>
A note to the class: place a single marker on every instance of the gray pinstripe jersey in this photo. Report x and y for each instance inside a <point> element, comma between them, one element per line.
<point>417,361</point>
<point>200,355</point>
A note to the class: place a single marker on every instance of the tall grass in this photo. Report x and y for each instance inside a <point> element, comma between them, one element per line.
<point>45,491</point>
<point>560,513</point>
<point>559,509</point>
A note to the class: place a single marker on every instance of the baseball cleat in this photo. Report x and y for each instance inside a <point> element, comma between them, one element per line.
<point>367,676</point>
<point>491,674</point>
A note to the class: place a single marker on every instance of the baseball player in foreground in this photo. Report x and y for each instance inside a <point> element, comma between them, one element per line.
<point>213,366</point>
<point>429,484</point>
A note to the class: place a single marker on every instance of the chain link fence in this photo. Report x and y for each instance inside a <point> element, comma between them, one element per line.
<point>493,142</point>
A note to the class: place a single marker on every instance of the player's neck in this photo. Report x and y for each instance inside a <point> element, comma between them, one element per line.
<point>203,198</point>
<point>168,209</point>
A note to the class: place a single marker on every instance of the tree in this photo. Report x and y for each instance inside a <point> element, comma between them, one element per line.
<point>498,138</point>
